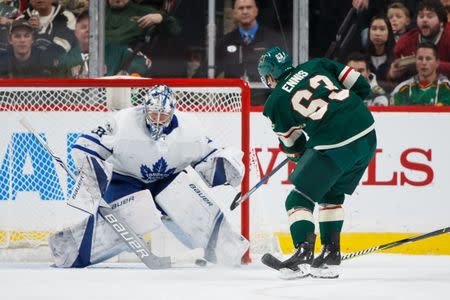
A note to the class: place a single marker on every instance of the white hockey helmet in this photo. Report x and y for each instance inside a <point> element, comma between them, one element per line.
<point>159,107</point>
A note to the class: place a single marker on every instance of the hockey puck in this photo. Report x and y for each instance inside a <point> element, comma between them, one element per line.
<point>200,262</point>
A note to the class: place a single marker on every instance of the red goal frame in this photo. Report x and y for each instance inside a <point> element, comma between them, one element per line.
<point>172,82</point>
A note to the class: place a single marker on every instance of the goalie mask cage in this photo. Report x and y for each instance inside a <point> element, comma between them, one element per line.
<point>33,187</point>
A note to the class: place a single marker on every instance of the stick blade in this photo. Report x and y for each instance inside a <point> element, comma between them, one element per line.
<point>271,261</point>
<point>235,202</point>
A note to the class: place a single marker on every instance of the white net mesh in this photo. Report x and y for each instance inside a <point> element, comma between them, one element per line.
<point>33,187</point>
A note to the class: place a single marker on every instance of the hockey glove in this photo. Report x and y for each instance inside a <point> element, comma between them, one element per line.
<point>294,157</point>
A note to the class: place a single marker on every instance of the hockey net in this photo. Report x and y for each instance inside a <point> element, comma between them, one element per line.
<point>33,188</point>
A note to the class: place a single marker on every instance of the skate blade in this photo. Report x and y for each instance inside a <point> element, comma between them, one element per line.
<point>330,272</point>
<point>288,274</point>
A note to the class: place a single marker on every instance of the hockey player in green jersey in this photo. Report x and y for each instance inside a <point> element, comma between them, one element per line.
<point>318,114</point>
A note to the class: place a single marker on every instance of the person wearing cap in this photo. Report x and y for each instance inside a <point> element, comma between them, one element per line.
<point>53,24</point>
<point>22,60</point>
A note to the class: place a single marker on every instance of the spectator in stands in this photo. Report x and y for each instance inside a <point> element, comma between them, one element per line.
<point>127,23</point>
<point>119,59</point>
<point>380,49</point>
<point>446,4</point>
<point>381,7</point>
<point>398,15</point>
<point>427,87</point>
<point>54,25</point>
<point>7,14</point>
<point>432,26</point>
<point>238,52</point>
<point>169,52</point>
<point>326,16</point>
<point>157,3</point>
<point>22,60</point>
<point>377,96</point>
<point>75,6</point>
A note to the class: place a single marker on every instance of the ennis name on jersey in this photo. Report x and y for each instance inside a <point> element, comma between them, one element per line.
<point>324,99</point>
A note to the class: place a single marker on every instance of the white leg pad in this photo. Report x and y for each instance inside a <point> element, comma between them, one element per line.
<point>71,244</point>
<point>227,246</point>
<point>201,221</point>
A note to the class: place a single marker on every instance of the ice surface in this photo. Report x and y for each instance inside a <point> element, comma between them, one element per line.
<point>378,276</point>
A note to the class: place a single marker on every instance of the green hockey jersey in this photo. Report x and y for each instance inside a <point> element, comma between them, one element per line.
<point>323,99</point>
<point>413,92</point>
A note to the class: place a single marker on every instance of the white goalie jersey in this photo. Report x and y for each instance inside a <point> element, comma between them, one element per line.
<point>125,142</point>
<point>137,144</point>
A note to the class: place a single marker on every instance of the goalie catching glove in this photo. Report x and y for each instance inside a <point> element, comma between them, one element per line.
<point>222,166</point>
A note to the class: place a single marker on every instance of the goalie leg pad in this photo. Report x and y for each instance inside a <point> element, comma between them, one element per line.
<point>201,221</point>
<point>184,238</point>
<point>92,240</point>
<point>225,245</point>
<point>64,244</point>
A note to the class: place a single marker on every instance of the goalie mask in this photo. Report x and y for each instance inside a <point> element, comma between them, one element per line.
<point>159,106</point>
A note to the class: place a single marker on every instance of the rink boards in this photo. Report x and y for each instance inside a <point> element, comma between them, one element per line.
<point>405,190</point>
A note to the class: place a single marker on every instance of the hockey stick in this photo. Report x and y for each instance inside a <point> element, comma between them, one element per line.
<point>396,243</point>
<point>238,199</point>
<point>123,230</point>
<point>349,28</point>
<point>274,263</point>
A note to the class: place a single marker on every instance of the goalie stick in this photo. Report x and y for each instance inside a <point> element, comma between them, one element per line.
<point>123,230</point>
<point>274,263</point>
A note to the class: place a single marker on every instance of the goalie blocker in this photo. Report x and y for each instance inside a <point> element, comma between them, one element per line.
<point>194,219</point>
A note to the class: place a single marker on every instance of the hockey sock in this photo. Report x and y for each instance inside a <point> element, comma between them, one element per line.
<point>300,217</point>
<point>331,219</point>
<point>300,228</point>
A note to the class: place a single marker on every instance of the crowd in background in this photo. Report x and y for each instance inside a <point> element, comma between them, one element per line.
<point>401,47</point>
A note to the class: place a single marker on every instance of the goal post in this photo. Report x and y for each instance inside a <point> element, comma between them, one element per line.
<point>33,189</point>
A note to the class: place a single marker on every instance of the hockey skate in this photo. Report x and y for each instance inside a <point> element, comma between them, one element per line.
<point>298,265</point>
<point>327,264</point>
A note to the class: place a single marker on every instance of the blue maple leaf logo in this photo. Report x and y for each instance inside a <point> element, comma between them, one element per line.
<point>159,171</point>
